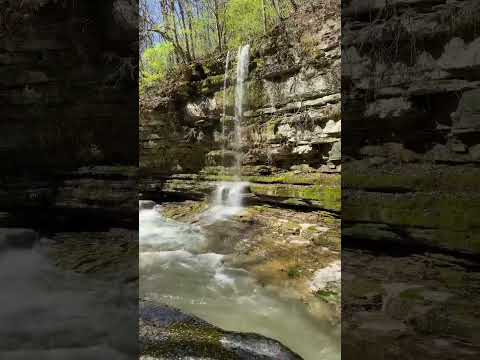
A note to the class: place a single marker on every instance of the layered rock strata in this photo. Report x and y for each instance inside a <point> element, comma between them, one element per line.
<point>410,232</point>
<point>290,131</point>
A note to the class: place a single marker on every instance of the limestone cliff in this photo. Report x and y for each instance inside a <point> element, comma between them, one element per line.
<point>290,131</point>
<point>410,192</point>
<point>411,90</point>
<point>67,101</point>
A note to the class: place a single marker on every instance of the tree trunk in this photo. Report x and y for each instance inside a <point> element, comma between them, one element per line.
<point>217,23</point>
<point>177,44</point>
<point>190,27</point>
<point>185,31</point>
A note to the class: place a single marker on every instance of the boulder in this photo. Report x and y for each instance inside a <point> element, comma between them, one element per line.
<point>167,333</point>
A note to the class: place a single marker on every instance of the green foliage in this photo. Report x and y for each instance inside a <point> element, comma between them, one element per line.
<point>191,30</point>
<point>155,63</point>
<point>244,20</point>
<point>294,271</point>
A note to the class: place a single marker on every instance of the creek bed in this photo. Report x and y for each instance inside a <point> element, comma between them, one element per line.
<point>177,268</point>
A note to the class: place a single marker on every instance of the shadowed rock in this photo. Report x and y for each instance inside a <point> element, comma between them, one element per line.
<point>167,333</point>
<point>17,238</point>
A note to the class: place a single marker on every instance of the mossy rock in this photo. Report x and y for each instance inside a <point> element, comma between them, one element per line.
<point>451,217</point>
<point>256,95</point>
<point>321,196</point>
<point>167,333</point>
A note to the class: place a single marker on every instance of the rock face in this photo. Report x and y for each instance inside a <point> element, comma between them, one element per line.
<point>410,192</point>
<point>66,84</point>
<point>87,198</point>
<point>166,333</point>
<point>66,90</point>
<point>291,126</point>
<point>411,159</point>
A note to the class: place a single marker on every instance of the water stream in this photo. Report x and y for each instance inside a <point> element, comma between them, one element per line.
<point>177,268</point>
<point>243,61</point>
<point>224,113</point>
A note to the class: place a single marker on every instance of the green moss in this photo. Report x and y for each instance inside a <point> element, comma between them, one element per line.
<point>411,294</point>
<point>185,210</point>
<point>256,95</point>
<point>448,219</point>
<point>211,84</point>
<point>228,98</point>
<point>286,178</point>
<point>271,127</point>
<point>190,340</point>
<point>260,63</point>
<point>413,178</point>
<point>328,296</point>
<point>294,271</point>
<point>323,195</point>
<point>429,210</point>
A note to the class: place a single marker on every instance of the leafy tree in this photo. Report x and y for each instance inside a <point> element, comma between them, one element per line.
<point>245,21</point>
<point>156,61</point>
<point>176,32</point>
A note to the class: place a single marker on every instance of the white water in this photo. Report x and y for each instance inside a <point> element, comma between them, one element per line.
<point>177,268</point>
<point>224,114</point>
<point>226,201</point>
<point>227,198</point>
<point>243,61</point>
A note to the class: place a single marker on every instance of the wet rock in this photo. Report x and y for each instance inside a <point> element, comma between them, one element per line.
<point>326,282</point>
<point>146,204</point>
<point>163,329</point>
<point>221,157</point>
<point>292,117</point>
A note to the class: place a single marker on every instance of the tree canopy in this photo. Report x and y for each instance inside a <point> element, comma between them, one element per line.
<point>176,32</point>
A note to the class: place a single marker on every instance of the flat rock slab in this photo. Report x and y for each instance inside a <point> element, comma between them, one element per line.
<point>167,333</point>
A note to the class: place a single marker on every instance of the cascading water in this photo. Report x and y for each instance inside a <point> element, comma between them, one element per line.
<point>224,114</point>
<point>227,198</point>
<point>242,74</point>
<point>178,268</point>
<point>227,201</point>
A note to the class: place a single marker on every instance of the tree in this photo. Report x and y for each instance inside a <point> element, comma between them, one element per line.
<point>194,29</point>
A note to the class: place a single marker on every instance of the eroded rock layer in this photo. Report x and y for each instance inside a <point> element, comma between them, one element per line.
<point>291,128</point>
<point>410,194</point>
<point>411,100</point>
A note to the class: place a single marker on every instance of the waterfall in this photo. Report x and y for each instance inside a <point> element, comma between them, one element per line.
<point>229,194</point>
<point>227,198</point>
<point>225,78</point>
<point>242,74</point>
